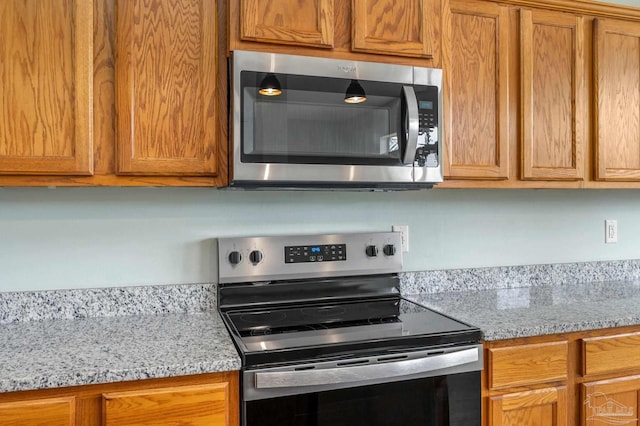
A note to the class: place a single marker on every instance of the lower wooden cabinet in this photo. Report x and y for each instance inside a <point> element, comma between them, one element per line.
<point>36,412</point>
<point>205,399</point>
<point>546,407</point>
<point>589,378</point>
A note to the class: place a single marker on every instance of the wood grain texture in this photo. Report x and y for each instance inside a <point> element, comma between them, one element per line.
<point>527,364</point>
<point>612,401</point>
<point>617,100</point>
<point>204,405</point>
<point>546,407</point>
<point>89,398</point>
<point>394,28</point>
<point>165,94</point>
<point>477,78</point>
<point>46,86</point>
<point>299,22</point>
<point>553,95</point>
<point>611,354</point>
<point>39,412</point>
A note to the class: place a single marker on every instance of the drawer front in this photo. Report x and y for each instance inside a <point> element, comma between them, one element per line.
<point>611,353</point>
<point>49,412</point>
<point>527,364</point>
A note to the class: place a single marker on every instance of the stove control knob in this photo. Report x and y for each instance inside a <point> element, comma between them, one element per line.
<point>371,251</point>
<point>389,250</point>
<point>235,257</point>
<point>255,257</point>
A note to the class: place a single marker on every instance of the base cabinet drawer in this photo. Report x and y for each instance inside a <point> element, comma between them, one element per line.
<point>180,405</point>
<point>39,412</point>
<point>610,354</point>
<point>527,364</point>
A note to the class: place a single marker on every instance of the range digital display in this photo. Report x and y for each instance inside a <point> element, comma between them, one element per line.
<point>312,253</point>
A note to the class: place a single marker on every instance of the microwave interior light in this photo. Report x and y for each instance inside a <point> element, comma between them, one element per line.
<point>355,93</point>
<point>270,86</point>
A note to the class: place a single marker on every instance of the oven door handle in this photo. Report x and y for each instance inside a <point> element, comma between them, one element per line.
<point>362,373</point>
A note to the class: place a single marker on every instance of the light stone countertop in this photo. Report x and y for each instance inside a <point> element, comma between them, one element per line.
<point>507,313</point>
<point>68,352</point>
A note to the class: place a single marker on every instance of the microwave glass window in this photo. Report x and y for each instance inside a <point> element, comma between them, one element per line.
<point>311,121</point>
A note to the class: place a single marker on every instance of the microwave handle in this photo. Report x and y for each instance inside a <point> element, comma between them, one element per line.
<point>409,124</point>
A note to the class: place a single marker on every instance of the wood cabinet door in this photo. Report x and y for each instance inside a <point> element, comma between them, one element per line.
<point>300,22</point>
<point>166,53</point>
<point>476,100</point>
<point>546,407</point>
<point>46,80</point>
<point>553,95</point>
<point>617,100</point>
<point>206,405</point>
<point>394,27</point>
<point>610,402</point>
<point>38,412</point>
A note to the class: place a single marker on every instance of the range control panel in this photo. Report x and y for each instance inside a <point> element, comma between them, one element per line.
<point>315,253</point>
<point>252,259</point>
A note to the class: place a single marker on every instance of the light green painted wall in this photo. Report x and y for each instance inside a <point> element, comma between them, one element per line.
<point>98,237</point>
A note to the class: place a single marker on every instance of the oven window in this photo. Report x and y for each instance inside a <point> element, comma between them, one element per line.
<point>452,400</point>
<point>309,122</point>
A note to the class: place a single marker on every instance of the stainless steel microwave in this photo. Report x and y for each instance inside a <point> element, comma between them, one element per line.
<point>308,122</point>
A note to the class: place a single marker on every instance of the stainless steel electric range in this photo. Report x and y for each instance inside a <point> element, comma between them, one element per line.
<point>326,339</point>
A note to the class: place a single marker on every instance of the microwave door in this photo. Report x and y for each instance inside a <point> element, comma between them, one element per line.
<point>409,125</point>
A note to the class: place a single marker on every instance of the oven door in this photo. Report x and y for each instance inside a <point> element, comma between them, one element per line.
<point>430,388</point>
<point>301,120</point>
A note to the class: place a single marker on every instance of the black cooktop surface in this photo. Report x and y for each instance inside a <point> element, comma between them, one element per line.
<point>295,332</point>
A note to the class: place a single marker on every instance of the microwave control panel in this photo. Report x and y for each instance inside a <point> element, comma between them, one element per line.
<point>427,154</point>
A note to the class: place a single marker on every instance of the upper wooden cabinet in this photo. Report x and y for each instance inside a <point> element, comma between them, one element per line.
<point>476,94</point>
<point>617,100</point>
<point>553,95</point>
<point>383,27</point>
<point>301,22</point>
<point>165,87</point>
<point>394,27</point>
<point>46,64</point>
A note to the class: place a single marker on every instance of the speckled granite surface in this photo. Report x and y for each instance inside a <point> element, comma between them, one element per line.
<point>104,302</point>
<point>505,313</point>
<point>55,353</point>
<point>518,276</point>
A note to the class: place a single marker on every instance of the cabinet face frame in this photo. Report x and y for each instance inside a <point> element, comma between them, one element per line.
<point>130,155</point>
<point>254,26</point>
<point>530,119</point>
<point>498,168</point>
<point>364,41</point>
<point>605,117</point>
<point>80,161</point>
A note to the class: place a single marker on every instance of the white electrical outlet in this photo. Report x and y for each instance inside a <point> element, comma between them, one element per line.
<point>610,231</point>
<point>404,234</point>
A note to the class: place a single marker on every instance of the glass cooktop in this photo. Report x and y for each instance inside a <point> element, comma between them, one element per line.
<point>340,326</point>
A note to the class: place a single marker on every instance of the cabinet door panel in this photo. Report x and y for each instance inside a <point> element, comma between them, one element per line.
<point>477,76</point>
<point>42,412</point>
<point>165,87</point>
<point>617,95</point>
<point>180,405</point>
<point>553,95</point>
<point>46,87</point>
<point>610,402</point>
<point>394,28</point>
<point>301,22</point>
<point>530,408</point>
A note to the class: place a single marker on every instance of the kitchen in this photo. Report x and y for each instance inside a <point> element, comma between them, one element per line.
<point>112,237</point>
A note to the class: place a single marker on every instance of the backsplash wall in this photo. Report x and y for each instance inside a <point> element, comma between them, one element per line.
<point>65,238</point>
